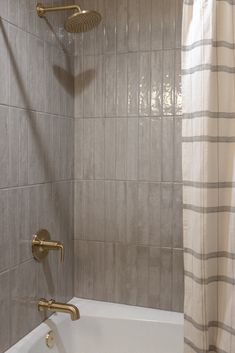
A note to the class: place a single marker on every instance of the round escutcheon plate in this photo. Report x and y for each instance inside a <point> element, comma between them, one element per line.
<point>39,252</point>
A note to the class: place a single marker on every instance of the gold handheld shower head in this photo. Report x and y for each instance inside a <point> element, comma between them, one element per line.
<point>80,21</point>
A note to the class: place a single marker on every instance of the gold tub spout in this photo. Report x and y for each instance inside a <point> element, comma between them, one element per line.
<point>53,306</point>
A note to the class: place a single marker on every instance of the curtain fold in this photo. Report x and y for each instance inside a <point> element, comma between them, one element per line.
<point>208,149</point>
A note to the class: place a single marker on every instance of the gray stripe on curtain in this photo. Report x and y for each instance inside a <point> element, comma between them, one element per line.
<point>230,2</point>
<point>210,279</point>
<point>188,2</point>
<point>211,209</point>
<point>208,114</point>
<point>191,2</point>
<point>208,185</point>
<point>212,255</point>
<point>198,350</point>
<point>209,67</point>
<point>211,324</point>
<point>212,139</point>
<point>213,43</point>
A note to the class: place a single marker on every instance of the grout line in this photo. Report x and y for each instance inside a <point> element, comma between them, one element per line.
<point>36,111</point>
<point>127,243</point>
<point>157,117</point>
<point>24,186</point>
<point>131,52</point>
<point>130,181</point>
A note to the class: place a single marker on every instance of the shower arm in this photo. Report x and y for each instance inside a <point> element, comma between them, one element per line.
<point>41,10</point>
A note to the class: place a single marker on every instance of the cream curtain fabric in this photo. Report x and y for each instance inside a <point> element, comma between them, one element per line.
<point>208,82</point>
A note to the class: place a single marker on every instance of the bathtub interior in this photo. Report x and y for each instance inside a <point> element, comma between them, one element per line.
<point>108,328</point>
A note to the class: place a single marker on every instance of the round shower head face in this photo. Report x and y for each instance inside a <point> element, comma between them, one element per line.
<point>82,21</point>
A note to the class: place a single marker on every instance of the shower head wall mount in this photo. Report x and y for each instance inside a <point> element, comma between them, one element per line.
<point>80,21</point>
<point>41,9</point>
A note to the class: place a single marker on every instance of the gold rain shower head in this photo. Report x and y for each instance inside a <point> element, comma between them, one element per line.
<point>80,21</point>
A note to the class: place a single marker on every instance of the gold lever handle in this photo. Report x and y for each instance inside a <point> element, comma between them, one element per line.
<point>41,245</point>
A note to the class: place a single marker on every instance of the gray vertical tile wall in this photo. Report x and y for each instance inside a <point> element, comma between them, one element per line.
<point>36,153</point>
<point>128,190</point>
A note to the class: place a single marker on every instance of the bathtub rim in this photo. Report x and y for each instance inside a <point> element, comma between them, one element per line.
<point>103,310</point>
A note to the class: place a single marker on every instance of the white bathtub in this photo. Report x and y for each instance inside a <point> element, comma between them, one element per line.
<point>108,328</point>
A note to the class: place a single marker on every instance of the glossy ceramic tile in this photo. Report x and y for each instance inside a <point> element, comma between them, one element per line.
<point>178,280</point>
<point>166,279</point>
<point>122,20</point>
<point>142,275</point>
<point>121,148</point>
<point>18,225</point>
<point>110,229</point>
<point>133,84</point>
<point>89,87</point>
<point>157,24</point>
<point>110,19</point>
<point>18,67</point>
<point>110,85</point>
<point>128,198</point>
<point>122,84</point>
<point>100,30</point>
<point>5,312</point>
<point>154,207</point>
<point>167,164</point>
<point>23,301</point>
<point>110,152</point>
<point>130,274</point>
<point>88,148</point>
<point>169,25</point>
<point>154,276</point>
<point>39,135</point>
<point>144,83</point>
<point>178,22</point>
<point>144,149</point>
<point>177,216</point>
<point>4,61</point>
<point>168,82</point>
<point>178,88</point>
<point>99,86</point>
<point>79,86</point>
<point>120,211</point>
<point>133,25</point>
<point>99,148</point>
<point>178,150</point>
<point>132,149</point>
<point>4,244</point>
<point>155,158</point>
<point>166,215</point>
<point>4,9</point>
<point>4,146</point>
<point>36,74</point>
<point>36,153</point>
<point>156,83</point>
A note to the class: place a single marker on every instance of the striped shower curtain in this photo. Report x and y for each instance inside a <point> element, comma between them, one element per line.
<point>208,82</point>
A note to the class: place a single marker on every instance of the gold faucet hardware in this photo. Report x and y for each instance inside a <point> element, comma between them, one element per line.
<point>50,339</point>
<point>42,243</point>
<point>77,22</point>
<point>53,306</point>
<point>41,9</point>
